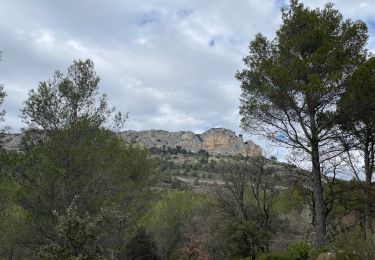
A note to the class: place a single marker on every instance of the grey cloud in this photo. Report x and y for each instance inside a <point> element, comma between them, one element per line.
<point>212,43</point>
<point>155,58</point>
<point>184,13</point>
<point>152,16</point>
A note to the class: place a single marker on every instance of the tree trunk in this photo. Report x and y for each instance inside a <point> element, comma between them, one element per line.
<point>367,193</point>
<point>320,218</point>
<point>368,222</point>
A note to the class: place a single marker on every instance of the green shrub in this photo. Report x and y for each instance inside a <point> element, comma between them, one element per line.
<point>299,251</point>
<point>141,246</point>
<point>176,183</point>
<point>194,174</point>
<point>354,245</point>
<point>167,179</point>
<point>275,256</point>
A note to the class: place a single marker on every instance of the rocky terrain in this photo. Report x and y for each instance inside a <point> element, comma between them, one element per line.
<point>216,141</point>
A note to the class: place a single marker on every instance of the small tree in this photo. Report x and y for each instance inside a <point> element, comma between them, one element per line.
<point>74,154</point>
<point>168,219</point>
<point>246,203</point>
<point>292,83</point>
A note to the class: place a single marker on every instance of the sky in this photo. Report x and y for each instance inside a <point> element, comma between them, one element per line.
<point>169,63</point>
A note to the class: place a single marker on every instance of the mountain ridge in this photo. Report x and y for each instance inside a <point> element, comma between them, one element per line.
<point>216,141</point>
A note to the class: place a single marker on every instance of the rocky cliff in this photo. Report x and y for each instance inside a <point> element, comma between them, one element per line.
<point>216,141</point>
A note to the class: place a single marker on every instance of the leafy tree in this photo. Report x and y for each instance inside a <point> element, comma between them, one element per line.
<point>168,219</point>
<point>97,166</point>
<point>292,83</point>
<point>357,109</point>
<point>62,101</point>
<point>246,203</point>
<point>75,155</point>
<point>66,100</point>
<point>141,246</point>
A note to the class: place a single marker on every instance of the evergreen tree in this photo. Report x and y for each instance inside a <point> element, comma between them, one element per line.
<point>291,86</point>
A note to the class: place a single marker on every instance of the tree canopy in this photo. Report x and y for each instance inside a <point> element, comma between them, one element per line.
<point>292,83</point>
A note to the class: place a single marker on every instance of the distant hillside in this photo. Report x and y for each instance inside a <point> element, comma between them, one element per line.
<point>216,141</point>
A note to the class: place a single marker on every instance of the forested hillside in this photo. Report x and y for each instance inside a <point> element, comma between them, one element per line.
<point>75,185</point>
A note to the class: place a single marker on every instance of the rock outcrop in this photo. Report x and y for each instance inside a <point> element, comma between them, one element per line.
<point>216,141</point>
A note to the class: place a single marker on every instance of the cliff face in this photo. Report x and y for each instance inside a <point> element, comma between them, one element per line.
<point>216,141</point>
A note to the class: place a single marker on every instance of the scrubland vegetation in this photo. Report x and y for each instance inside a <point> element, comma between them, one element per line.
<point>75,190</point>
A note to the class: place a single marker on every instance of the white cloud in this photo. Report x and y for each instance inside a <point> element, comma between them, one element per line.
<point>171,64</point>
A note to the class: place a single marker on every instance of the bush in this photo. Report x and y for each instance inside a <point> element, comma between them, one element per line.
<point>141,247</point>
<point>300,250</point>
<point>176,183</point>
<point>275,256</point>
<point>78,236</point>
<point>167,179</point>
<point>194,174</point>
<point>354,245</point>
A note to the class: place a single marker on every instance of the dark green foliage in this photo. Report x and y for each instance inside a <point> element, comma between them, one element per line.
<point>292,83</point>
<point>245,239</point>
<point>300,251</point>
<point>360,86</point>
<point>194,174</point>
<point>141,246</point>
<point>12,220</point>
<point>275,256</point>
<point>357,115</point>
<point>94,164</point>
<point>64,100</point>
<point>74,155</point>
<point>177,184</point>
<point>76,190</point>
<point>164,150</point>
<point>296,251</point>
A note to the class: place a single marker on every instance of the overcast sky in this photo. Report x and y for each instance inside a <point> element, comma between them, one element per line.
<point>169,63</point>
